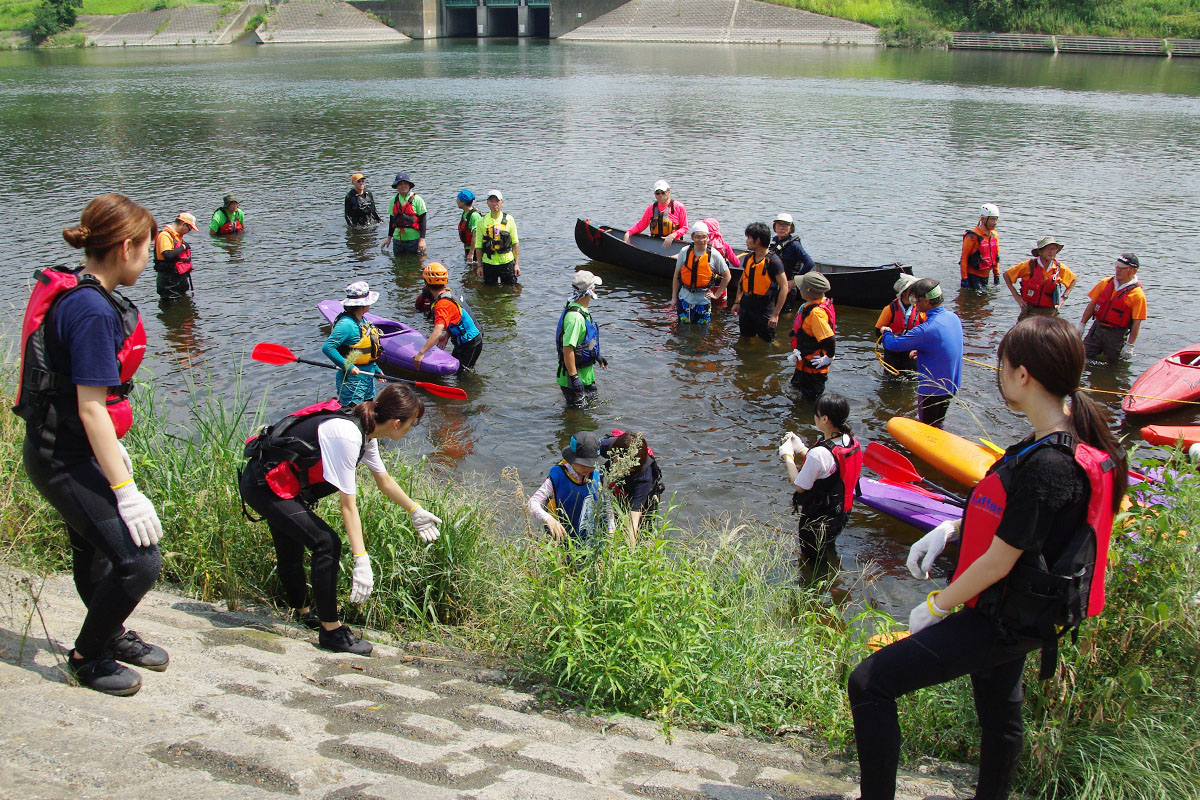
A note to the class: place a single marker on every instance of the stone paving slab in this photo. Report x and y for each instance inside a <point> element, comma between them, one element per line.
<point>323,21</point>
<point>720,21</point>
<point>193,25</point>
<point>250,709</point>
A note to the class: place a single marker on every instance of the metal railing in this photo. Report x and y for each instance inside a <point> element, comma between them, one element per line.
<point>1076,44</point>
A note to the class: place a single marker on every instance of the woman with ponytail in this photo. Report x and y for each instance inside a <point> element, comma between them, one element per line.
<point>313,453</point>
<point>1030,565</point>
<point>81,343</point>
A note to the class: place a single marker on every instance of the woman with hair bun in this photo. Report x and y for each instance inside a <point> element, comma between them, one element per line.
<point>1030,565</point>
<point>81,343</point>
<point>310,454</point>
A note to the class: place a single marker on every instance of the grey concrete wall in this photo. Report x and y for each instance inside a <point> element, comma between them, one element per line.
<point>420,19</point>
<point>567,15</point>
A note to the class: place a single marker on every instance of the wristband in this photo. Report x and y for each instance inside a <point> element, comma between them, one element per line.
<point>363,553</point>
<point>790,457</point>
<point>414,508</point>
<point>121,485</point>
<point>933,607</point>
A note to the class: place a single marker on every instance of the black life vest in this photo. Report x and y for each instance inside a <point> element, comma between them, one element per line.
<point>660,224</point>
<point>986,255</point>
<point>806,343</point>
<point>1112,308</point>
<point>46,396</point>
<point>288,453</point>
<point>833,496</point>
<point>466,231</point>
<point>404,214</point>
<point>180,264</point>
<point>497,235</point>
<point>1037,596</point>
<point>780,246</point>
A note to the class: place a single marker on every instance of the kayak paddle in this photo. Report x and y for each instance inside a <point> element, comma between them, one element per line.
<point>269,353</point>
<point>890,464</point>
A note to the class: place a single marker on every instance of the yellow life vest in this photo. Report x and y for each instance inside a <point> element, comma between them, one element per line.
<point>366,350</point>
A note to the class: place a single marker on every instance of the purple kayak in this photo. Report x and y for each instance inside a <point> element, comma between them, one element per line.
<point>399,342</point>
<point>906,505</point>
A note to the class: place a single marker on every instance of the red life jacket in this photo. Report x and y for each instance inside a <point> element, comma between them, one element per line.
<point>405,215</point>
<point>1112,308</point>
<point>466,234</point>
<point>180,264</point>
<point>899,324</point>
<point>834,495</point>
<point>1037,595</point>
<point>232,224</point>
<point>1035,288</point>
<point>986,255</point>
<point>289,453</point>
<point>809,346</point>
<point>660,223</point>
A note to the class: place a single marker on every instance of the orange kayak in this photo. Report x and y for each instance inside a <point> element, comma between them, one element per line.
<point>1170,434</point>
<point>961,459</point>
<point>1167,383</point>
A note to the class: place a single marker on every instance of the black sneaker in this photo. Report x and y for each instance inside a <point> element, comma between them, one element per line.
<point>343,640</point>
<point>308,619</point>
<point>130,648</point>
<point>104,675</point>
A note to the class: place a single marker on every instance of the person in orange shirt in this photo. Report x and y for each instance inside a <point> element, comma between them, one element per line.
<point>981,252</point>
<point>1045,281</point>
<point>452,320</point>
<point>1119,306</point>
<point>901,316</point>
<point>173,257</point>
<point>813,344</point>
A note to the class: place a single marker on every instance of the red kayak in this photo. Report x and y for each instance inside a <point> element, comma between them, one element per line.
<point>1170,434</point>
<point>1165,385</point>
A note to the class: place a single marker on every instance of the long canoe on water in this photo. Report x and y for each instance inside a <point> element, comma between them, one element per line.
<point>862,287</point>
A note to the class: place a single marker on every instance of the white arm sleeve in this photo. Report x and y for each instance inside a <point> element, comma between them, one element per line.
<point>537,503</point>
<point>340,441</point>
<point>819,463</point>
<point>371,457</point>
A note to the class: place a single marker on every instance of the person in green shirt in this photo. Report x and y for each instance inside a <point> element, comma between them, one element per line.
<point>406,220</point>
<point>467,223</point>
<point>228,218</point>
<point>496,249</point>
<point>578,343</point>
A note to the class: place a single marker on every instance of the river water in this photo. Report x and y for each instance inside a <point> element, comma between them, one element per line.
<point>880,155</point>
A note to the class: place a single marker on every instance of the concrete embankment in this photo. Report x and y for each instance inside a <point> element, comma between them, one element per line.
<point>250,708</point>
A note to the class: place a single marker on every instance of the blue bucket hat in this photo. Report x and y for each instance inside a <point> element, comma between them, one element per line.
<point>402,176</point>
<point>466,196</point>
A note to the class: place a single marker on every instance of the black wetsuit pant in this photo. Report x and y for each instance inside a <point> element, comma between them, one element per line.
<point>965,643</point>
<point>499,273</point>
<point>467,353</point>
<point>295,527</point>
<point>172,286</point>
<point>932,408</point>
<point>112,574</point>
<point>754,316</point>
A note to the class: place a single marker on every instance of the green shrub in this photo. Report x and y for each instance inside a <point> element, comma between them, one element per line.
<point>53,16</point>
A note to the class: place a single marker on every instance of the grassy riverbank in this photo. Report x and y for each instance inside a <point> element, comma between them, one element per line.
<point>923,19</point>
<point>685,628</point>
<point>18,14</point>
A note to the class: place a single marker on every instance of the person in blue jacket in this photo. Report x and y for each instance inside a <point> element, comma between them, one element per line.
<point>353,346</point>
<point>938,342</point>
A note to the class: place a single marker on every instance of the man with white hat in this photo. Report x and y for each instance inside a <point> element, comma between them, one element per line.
<point>664,218</point>
<point>981,252</point>
<point>701,276</point>
<point>577,340</point>
<point>497,246</point>
<point>796,261</point>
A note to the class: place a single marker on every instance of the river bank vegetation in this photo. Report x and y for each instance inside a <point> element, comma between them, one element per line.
<point>701,627</point>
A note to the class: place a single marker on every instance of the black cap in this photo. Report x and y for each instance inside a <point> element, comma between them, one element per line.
<point>1129,260</point>
<point>583,449</point>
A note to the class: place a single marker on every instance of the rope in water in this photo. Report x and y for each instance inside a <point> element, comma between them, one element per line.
<point>1097,391</point>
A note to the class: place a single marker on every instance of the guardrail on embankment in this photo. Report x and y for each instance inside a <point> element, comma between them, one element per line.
<point>1076,44</point>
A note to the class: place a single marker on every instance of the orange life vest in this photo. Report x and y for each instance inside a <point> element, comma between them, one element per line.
<point>1038,288</point>
<point>660,223</point>
<point>1112,308</point>
<point>695,273</point>
<point>986,255</point>
<point>756,280</point>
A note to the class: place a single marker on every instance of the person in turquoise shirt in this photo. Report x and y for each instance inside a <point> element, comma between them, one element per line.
<point>353,345</point>
<point>406,218</point>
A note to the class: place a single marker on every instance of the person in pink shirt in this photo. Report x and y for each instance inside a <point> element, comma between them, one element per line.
<point>664,218</point>
<point>722,246</point>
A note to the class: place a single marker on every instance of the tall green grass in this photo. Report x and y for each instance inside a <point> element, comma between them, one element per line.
<point>704,628</point>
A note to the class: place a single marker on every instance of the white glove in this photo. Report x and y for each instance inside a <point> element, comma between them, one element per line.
<point>926,614</point>
<point>364,580</point>
<point>138,514</point>
<point>426,524</point>
<point>820,362</point>
<point>125,459</point>
<point>926,549</point>
<point>1127,351</point>
<point>1079,327</point>
<point>788,448</point>
<point>794,358</point>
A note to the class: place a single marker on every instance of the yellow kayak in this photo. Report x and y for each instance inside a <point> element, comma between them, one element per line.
<point>961,459</point>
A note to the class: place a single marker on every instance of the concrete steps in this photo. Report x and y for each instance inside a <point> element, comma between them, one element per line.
<point>323,21</point>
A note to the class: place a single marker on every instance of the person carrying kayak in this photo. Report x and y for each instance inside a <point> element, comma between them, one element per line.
<point>664,219</point>
<point>571,502</point>
<point>701,275</point>
<point>468,222</point>
<point>1119,306</point>
<point>353,346</point>
<point>900,316</point>
<point>796,261</point>
<point>640,483</point>
<point>813,342</point>
<point>173,257</point>
<point>1045,281</point>
<point>497,246</point>
<point>718,244</point>
<point>938,343</point>
<point>81,343</point>
<point>981,252</point>
<point>577,341</point>
<point>360,204</point>
<point>826,481</point>
<point>452,320</point>
<point>228,219</point>
<point>1031,565</point>
<point>313,453</point>
<point>763,289</point>
<point>406,219</point>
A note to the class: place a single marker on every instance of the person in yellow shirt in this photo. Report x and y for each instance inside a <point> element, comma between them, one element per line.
<point>813,344</point>
<point>1118,304</point>
<point>1045,281</point>
<point>497,247</point>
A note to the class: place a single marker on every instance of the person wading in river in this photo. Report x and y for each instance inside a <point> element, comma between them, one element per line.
<point>763,289</point>
<point>1045,281</point>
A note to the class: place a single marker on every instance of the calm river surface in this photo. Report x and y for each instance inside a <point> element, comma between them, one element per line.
<point>880,156</point>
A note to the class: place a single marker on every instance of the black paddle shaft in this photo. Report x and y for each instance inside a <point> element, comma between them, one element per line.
<point>378,376</point>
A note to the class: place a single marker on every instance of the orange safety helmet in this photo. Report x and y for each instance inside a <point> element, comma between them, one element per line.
<point>435,274</point>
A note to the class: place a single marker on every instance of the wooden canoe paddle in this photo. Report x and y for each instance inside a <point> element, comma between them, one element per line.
<point>269,353</point>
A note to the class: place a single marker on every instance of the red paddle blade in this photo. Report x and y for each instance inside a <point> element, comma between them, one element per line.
<point>273,354</point>
<point>890,464</point>
<point>442,391</point>
<point>915,489</point>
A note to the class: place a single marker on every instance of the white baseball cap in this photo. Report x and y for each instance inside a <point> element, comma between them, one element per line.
<point>496,193</point>
<point>662,186</point>
<point>784,217</point>
<point>699,227</point>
